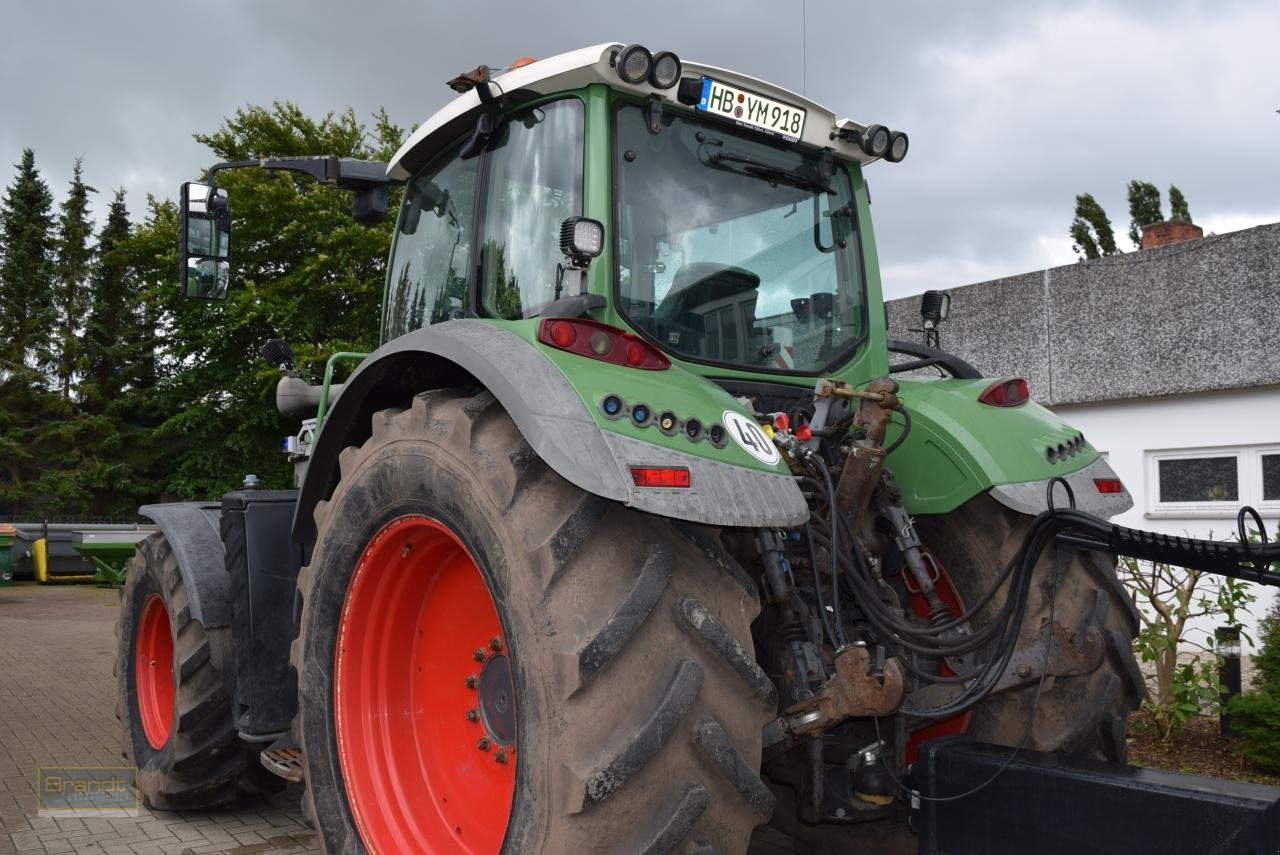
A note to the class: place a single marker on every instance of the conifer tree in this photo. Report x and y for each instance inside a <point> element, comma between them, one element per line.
<point>26,273</point>
<point>72,267</point>
<point>112,334</point>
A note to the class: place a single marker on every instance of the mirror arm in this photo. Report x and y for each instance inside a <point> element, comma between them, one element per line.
<point>345,173</point>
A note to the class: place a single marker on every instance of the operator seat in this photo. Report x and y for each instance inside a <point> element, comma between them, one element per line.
<point>699,288</point>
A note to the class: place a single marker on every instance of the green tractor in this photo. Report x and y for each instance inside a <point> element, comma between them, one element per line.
<point>631,536</point>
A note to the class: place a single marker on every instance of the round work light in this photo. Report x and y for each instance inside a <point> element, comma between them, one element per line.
<point>666,70</point>
<point>898,144</point>
<point>875,140</point>
<point>633,63</point>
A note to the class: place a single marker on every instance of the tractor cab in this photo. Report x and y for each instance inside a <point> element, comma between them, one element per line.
<point>722,215</point>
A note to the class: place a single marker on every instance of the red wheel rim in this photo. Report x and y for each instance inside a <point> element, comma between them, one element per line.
<point>153,671</point>
<point>957,723</point>
<point>423,708</point>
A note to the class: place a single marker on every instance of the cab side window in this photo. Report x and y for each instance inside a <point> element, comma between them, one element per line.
<point>534,183</point>
<point>429,264</point>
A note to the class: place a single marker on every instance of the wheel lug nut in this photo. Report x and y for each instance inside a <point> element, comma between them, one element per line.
<point>495,644</point>
<point>483,743</point>
<point>478,655</point>
<point>501,756</point>
<point>473,715</point>
<point>471,681</point>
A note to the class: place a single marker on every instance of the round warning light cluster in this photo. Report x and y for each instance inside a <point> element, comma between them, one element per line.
<point>1070,448</point>
<point>643,416</point>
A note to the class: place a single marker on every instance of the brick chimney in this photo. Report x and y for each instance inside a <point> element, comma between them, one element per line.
<point>1170,231</point>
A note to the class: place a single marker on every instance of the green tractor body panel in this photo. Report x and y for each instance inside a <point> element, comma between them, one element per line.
<point>958,447</point>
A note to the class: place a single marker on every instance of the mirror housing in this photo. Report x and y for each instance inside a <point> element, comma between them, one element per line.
<point>204,242</point>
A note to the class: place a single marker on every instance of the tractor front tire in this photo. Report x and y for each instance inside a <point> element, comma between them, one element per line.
<point>491,659</point>
<point>175,682</point>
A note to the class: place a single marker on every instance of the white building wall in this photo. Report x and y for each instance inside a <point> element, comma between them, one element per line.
<point>1134,433</point>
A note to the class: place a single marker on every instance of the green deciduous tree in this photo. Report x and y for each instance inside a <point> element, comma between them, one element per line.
<point>1180,683</point>
<point>1178,205</point>
<point>72,265</point>
<point>1144,209</point>
<point>1091,231</point>
<point>303,270</point>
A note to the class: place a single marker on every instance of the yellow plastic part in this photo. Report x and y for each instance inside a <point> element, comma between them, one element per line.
<point>40,555</point>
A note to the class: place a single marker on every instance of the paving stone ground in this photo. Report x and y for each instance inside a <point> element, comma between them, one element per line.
<point>57,708</point>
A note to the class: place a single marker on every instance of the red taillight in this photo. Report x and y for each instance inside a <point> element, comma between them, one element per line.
<point>600,341</point>
<point>1108,485</point>
<point>655,476</point>
<point>1006,393</point>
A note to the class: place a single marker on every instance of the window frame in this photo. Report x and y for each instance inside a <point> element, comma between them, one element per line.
<point>475,300</point>
<point>1248,482</point>
<point>849,352</point>
<point>474,289</point>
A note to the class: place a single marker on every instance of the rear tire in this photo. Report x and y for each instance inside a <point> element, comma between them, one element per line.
<point>1082,715</point>
<point>639,703</point>
<point>178,721</point>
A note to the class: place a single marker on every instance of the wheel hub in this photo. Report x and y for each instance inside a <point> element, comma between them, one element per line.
<point>497,700</point>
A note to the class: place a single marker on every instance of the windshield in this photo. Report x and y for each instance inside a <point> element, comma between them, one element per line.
<point>735,250</point>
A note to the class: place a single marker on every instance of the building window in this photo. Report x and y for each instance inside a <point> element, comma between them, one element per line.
<point>1271,477</point>
<point>1213,482</point>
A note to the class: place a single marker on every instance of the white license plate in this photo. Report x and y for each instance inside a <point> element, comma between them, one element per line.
<point>752,110</point>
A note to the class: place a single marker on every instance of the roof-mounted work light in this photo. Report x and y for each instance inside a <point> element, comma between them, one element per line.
<point>898,144</point>
<point>633,64</point>
<point>875,140</point>
<point>666,70</point>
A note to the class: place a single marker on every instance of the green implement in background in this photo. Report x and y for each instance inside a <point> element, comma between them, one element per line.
<point>109,551</point>
<point>7,556</point>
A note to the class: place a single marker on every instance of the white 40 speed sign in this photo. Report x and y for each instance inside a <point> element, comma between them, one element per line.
<point>749,437</point>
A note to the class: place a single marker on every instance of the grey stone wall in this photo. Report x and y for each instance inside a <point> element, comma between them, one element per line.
<point>1191,317</point>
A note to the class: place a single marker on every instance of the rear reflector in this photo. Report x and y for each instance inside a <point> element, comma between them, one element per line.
<point>653,476</point>
<point>1108,485</point>
<point>1006,393</point>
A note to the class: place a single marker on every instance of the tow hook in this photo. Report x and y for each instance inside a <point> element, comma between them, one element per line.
<point>854,690</point>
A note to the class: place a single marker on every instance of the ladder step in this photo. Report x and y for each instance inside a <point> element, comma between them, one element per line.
<point>284,761</point>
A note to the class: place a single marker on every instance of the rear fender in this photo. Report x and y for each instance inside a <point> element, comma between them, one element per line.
<point>553,419</point>
<point>958,448</point>
<point>191,528</point>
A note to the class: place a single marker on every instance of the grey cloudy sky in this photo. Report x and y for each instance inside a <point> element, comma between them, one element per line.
<point>1012,108</point>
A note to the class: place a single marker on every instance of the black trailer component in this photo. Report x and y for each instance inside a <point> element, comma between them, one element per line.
<point>1051,803</point>
<point>1240,559</point>
<point>262,564</point>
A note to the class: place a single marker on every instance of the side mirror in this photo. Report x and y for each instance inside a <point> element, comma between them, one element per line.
<point>204,242</point>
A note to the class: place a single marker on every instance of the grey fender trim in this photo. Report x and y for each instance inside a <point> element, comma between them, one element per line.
<point>191,528</point>
<point>1029,497</point>
<point>556,424</point>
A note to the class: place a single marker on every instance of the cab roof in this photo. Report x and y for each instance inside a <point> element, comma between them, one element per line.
<point>579,68</point>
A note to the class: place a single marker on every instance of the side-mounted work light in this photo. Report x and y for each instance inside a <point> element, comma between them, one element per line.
<point>581,239</point>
